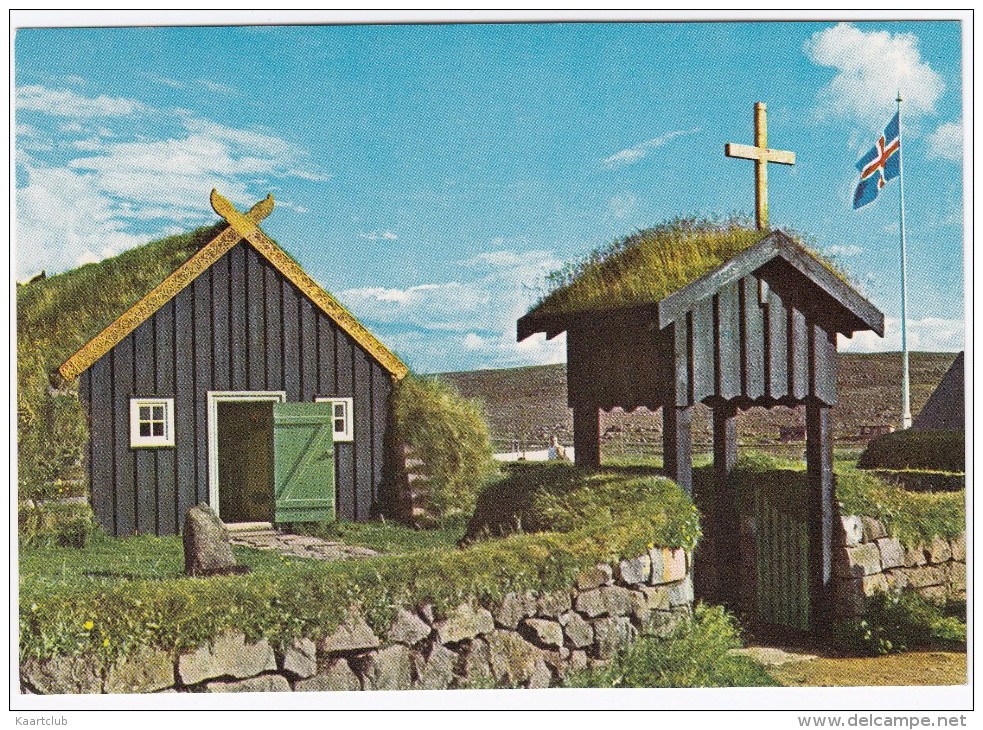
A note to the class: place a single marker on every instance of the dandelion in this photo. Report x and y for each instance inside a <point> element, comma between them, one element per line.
<point>105,642</point>
<point>88,625</point>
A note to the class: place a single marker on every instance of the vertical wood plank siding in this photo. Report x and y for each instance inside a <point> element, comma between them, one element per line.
<point>239,326</point>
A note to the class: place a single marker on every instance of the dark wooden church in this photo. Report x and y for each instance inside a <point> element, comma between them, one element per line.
<point>758,329</point>
<point>239,382</point>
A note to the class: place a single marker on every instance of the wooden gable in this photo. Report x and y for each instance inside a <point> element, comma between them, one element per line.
<point>201,262</point>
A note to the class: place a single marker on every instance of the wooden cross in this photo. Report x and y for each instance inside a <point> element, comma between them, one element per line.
<point>761,156</point>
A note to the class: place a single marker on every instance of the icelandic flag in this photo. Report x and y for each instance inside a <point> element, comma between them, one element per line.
<point>881,164</point>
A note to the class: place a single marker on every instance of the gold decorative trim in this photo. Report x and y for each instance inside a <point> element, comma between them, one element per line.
<point>196,265</point>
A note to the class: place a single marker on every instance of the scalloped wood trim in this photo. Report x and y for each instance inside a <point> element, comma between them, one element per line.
<point>198,264</point>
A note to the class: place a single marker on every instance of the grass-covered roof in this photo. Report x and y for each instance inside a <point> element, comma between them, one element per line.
<point>55,317</point>
<point>646,266</point>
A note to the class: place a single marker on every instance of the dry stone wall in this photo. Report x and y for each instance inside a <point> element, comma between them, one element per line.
<point>524,640</point>
<point>868,561</point>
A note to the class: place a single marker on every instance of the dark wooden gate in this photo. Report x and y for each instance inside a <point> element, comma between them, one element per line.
<point>782,551</point>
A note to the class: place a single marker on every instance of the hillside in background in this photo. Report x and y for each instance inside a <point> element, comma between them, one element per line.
<point>529,404</point>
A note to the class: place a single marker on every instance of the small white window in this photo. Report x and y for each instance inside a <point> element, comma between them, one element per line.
<point>341,417</point>
<point>151,422</point>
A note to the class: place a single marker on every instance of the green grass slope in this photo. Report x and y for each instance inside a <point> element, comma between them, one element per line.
<point>650,264</point>
<point>57,316</point>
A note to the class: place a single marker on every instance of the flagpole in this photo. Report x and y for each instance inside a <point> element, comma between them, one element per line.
<point>905,377</point>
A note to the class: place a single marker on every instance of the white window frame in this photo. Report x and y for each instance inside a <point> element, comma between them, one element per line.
<point>349,433</point>
<point>142,442</point>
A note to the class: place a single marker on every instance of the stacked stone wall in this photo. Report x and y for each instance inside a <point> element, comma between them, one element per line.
<point>523,640</point>
<point>868,561</point>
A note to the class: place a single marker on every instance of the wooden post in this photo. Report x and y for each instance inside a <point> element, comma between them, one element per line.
<point>586,435</point>
<point>819,467</point>
<point>677,445</point>
<point>723,525</point>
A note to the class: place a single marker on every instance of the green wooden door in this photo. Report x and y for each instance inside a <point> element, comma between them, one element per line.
<point>782,550</point>
<point>303,462</point>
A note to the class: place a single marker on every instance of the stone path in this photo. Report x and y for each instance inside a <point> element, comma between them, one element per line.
<point>770,656</point>
<point>299,546</point>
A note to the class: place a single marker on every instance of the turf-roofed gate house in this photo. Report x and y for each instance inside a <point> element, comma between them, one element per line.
<point>238,382</point>
<point>732,318</point>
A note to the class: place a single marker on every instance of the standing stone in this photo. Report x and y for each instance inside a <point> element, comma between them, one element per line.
<point>148,670</point>
<point>337,676</point>
<point>300,659</point>
<point>228,656</point>
<point>207,550</point>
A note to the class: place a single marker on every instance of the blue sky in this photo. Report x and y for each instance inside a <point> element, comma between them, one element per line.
<point>431,175</point>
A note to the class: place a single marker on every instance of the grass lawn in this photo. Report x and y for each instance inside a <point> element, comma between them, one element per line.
<point>390,537</point>
<point>147,557</point>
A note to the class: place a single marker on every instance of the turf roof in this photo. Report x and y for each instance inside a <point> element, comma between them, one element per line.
<point>646,266</point>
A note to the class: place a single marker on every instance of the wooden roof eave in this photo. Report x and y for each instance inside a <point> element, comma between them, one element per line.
<point>776,245</point>
<point>200,262</point>
<point>555,324</point>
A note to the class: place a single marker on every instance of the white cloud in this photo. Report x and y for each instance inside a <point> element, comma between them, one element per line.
<point>843,251</point>
<point>61,103</point>
<point>378,236</point>
<point>620,206</point>
<point>946,142</point>
<point>163,80</point>
<point>216,87</point>
<point>871,68</point>
<point>931,334</point>
<point>118,192</point>
<point>641,150</point>
<point>464,323</point>
<point>62,218</point>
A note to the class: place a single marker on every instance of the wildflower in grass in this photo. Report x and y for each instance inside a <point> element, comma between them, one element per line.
<point>105,642</point>
<point>88,625</point>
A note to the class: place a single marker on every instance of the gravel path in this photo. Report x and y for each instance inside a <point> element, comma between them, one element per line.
<point>299,546</point>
